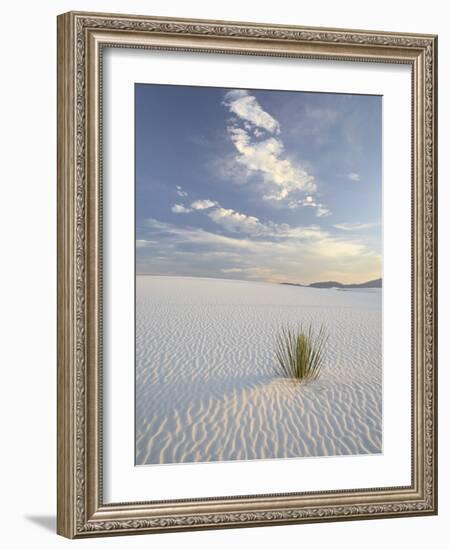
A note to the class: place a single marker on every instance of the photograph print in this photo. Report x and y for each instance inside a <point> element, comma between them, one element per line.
<point>258,287</point>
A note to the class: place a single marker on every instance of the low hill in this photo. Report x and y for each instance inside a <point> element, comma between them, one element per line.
<point>375,283</point>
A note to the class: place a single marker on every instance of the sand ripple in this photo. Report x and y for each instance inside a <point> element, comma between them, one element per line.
<point>206,381</point>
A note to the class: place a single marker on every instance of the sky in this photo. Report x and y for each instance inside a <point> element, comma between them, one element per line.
<point>263,185</point>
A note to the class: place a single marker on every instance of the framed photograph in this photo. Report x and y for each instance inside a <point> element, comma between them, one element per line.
<point>246,274</point>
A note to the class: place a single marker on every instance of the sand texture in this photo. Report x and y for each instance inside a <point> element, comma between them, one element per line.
<point>207,385</point>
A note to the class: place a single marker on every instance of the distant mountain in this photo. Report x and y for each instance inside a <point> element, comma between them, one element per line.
<point>376,283</point>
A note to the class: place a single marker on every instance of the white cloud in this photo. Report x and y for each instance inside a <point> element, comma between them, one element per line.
<point>144,242</point>
<point>232,270</point>
<point>247,108</point>
<point>196,236</point>
<point>309,202</point>
<point>180,192</point>
<point>353,176</point>
<point>266,158</point>
<point>236,222</point>
<point>180,209</point>
<point>203,204</point>
<point>267,251</point>
<point>355,226</point>
<point>330,247</point>
<point>322,211</point>
<point>281,175</point>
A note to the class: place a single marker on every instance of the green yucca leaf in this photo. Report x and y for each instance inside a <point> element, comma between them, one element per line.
<point>300,353</point>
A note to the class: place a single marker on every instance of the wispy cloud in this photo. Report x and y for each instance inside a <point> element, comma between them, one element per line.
<point>203,204</point>
<point>255,135</point>
<point>180,209</point>
<point>322,210</point>
<point>247,108</point>
<point>243,224</point>
<point>236,222</point>
<point>310,202</point>
<point>265,158</point>
<point>355,226</point>
<point>194,235</point>
<point>250,248</point>
<point>144,242</point>
<point>257,188</point>
<point>233,270</point>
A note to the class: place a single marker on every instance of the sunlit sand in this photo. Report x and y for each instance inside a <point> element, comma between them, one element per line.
<point>207,385</point>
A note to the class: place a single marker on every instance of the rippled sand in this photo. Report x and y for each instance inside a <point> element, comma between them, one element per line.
<point>206,382</point>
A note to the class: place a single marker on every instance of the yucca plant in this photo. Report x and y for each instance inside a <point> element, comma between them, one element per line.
<point>300,353</point>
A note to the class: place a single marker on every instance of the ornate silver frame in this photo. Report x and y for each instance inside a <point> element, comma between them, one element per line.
<point>81,38</point>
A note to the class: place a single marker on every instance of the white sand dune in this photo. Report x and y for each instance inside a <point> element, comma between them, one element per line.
<point>207,387</point>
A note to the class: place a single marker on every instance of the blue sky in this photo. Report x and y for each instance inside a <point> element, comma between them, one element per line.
<point>260,185</point>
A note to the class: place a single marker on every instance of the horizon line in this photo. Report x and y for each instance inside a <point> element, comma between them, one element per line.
<point>358,282</point>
